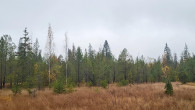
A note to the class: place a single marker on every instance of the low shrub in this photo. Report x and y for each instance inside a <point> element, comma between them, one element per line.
<point>123,83</point>
<point>89,84</point>
<point>58,87</point>
<point>70,88</point>
<point>104,84</point>
<point>16,89</point>
<point>29,91</point>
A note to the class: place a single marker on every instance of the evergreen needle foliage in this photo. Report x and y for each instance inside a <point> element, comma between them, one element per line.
<point>59,87</point>
<point>183,78</point>
<point>123,83</point>
<point>104,84</point>
<point>16,89</point>
<point>24,64</point>
<point>168,88</point>
<point>89,84</point>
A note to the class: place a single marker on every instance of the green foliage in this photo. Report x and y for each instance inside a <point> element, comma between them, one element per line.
<point>51,85</point>
<point>123,83</point>
<point>6,58</point>
<point>25,56</point>
<point>59,87</point>
<point>89,84</point>
<point>30,82</point>
<point>104,84</point>
<point>106,50</point>
<point>30,70</point>
<point>131,78</point>
<point>167,56</point>
<point>25,85</point>
<point>79,56</point>
<point>29,91</point>
<point>168,88</point>
<point>183,78</point>
<point>72,83</point>
<point>70,88</point>
<point>16,89</point>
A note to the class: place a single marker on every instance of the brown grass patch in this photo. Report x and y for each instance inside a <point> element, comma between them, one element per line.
<point>191,84</point>
<point>135,97</point>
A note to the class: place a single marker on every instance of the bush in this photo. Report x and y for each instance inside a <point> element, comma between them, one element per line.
<point>70,88</point>
<point>29,91</point>
<point>29,83</point>
<point>51,85</point>
<point>89,84</point>
<point>168,88</point>
<point>104,84</point>
<point>123,83</point>
<point>71,83</point>
<point>59,87</point>
<point>183,78</point>
<point>24,85</point>
<point>16,89</point>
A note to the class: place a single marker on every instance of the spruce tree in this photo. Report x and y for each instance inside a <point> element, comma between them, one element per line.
<point>79,56</point>
<point>59,87</point>
<point>25,57</point>
<point>168,88</point>
<point>183,78</point>
<point>106,50</point>
<point>167,56</point>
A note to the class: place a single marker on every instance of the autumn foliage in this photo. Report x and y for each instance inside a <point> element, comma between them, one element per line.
<point>134,97</point>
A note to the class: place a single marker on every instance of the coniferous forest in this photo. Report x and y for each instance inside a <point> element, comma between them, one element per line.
<point>27,66</point>
<point>97,55</point>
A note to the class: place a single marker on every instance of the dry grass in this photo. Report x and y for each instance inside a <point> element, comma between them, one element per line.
<point>191,84</point>
<point>135,97</point>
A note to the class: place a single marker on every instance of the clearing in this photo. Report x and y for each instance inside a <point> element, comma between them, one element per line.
<point>135,97</point>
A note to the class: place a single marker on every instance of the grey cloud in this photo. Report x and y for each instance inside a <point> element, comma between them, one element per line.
<point>141,26</point>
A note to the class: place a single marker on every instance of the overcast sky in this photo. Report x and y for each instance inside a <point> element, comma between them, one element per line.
<point>141,26</point>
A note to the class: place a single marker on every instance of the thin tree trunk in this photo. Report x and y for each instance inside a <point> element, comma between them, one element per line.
<point>78,80</point>
<point>1,75</point>
<point>66,72</point>
<point>114,79</point>
<point>125,70</point>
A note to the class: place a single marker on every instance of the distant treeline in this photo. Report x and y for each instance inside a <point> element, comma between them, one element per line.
<point>25,65</point>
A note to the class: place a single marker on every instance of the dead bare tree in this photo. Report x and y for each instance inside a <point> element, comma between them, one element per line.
<point>49,48</point>
<point>66,54</point>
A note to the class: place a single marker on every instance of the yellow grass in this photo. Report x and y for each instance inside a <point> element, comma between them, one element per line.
<point>135,97</point>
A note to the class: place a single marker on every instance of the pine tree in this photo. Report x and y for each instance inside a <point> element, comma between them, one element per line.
<point>123,59</point>
<point>183,78</point>
<point>6,56</point>
<point>79,56</point>
<point>25,57</point>
<point>167,60</point>
<point>186,66</point>
<point>175,61</point>
<point>106,50</point>
<point>168,88</point>
<point>186,54</point>
<point>59,87</point>
<point>36,50</point>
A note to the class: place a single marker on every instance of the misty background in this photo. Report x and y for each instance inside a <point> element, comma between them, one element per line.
<point>141,26</point>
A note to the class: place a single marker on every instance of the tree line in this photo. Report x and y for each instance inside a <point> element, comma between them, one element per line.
<point>24,65</point>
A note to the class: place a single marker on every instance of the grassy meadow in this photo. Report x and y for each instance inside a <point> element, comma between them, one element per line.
<point>132,97</point>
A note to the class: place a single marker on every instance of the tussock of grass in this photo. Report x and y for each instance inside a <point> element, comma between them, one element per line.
<point>135,97</point>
